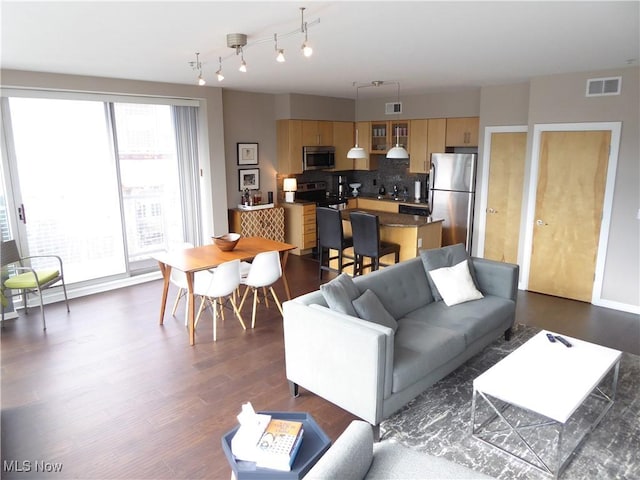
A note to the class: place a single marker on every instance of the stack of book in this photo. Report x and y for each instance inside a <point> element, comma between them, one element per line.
<point>279,444</point>
<point>268,442</point>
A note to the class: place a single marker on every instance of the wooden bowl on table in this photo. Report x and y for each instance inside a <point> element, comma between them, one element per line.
<point>227,242</point>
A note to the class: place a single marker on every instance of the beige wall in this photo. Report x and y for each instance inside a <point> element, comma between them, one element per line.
<point>561,99</point>
<point>250,117</point>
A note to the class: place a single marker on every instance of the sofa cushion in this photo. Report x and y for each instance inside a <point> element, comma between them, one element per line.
<point>472,319</point>
<point>369,307</point>
<point>445,257</point>
<point>339,293</point>
<point>455,284</point>
<point>420,347</point>
<point>401,287</point>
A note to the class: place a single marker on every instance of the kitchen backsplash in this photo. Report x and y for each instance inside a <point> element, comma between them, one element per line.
<point>390,172</point>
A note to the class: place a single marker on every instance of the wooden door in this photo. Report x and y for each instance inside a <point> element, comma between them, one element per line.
<point>569,198</point>
<point>504,197</point>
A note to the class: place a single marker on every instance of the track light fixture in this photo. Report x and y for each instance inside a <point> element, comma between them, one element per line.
<point>398,151</point>
<point>219,74</point>
<point>356,151</point>
<point>279,51</point>
<point>238,41</point>
<point>197,65</point>
<point>306,48</point>
<point>243,64</point>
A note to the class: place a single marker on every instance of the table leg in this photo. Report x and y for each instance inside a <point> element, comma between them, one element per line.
<point>285,257</point>
<point>166,273</point>
<point>192,330</point>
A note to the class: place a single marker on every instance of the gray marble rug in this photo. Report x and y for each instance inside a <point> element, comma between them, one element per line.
<point>438,423</point>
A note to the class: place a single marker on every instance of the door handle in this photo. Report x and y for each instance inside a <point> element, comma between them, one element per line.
<point>492,210</point>
<point>541,223</point>
<point>22,214</point>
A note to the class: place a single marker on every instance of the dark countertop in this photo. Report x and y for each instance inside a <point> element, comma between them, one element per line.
<point>388,219</point>
<point>389,198</point>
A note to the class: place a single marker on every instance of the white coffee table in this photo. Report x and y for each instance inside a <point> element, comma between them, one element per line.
<point>550,381</point>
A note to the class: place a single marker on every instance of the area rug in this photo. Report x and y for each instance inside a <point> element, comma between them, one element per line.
<point>438,423</point>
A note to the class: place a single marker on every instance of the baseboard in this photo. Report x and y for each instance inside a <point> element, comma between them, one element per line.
<point>623,307</point>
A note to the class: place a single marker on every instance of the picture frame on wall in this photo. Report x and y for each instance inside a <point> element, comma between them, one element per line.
<point>247,153</point>
<point>249,178</point>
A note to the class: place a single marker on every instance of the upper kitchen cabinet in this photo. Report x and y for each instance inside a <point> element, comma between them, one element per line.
<point>384,134</point>
<point>364,139</point>
<point>462,132</point>
<point>343,140</point>
<point>317,132</point>
<point>289,139</point>
<point>427,137</point>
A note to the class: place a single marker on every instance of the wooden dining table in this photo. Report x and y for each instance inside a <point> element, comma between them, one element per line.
<point>192,260</point>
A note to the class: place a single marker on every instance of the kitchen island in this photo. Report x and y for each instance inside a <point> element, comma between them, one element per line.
<point>411,232</point>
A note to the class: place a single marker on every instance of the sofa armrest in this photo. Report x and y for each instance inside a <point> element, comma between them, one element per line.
<point>346,360</point>
<point>497,278</point>
<point>349,458</point>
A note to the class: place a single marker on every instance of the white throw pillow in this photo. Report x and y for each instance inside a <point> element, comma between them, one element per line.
<point>455,284</point>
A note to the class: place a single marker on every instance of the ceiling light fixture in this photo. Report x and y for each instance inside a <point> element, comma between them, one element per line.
<point>398,151</point>
<point>280,51</point>
<point>243,64</point>
<point>356,151</point>
<point>238,42</point>
<point>197,65</point>
<point>306,49</point>
<point>219,74</point>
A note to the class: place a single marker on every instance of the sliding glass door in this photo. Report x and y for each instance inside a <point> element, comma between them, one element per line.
<point>67,185</point>
<point>98,183</point>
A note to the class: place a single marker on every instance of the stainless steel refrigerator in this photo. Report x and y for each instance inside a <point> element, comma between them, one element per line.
<point>452,187</point>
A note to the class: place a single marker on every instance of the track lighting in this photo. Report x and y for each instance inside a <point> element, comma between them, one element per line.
<point>197,65</point>
<point>238,41</point>
<point>243,64</point>
<point>219,74</point>
<point>280,55</point>
<point>306,48</point>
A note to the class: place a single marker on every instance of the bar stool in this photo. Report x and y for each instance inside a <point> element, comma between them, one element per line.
<point>331,237</point>
<point>365,228</point>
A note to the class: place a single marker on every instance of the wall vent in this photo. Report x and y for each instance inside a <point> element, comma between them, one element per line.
<point>392,108</point>
<point>598,87</point>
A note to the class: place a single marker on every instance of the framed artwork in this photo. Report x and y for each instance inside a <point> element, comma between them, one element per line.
<point>249,178</point>
<point>247,153</point>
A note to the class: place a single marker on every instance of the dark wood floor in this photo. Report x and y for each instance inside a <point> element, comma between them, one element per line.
<point>109,393</point>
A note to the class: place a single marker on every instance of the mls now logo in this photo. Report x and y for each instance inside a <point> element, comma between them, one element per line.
<point>29,466</point>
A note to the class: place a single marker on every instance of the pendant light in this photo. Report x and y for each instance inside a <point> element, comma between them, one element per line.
<point>356,151</point>
<point>398,151</point>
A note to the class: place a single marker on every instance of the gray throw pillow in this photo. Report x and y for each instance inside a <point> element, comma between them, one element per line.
<point>369,307</point>
<point>339,293</point>
<point>445,257</point>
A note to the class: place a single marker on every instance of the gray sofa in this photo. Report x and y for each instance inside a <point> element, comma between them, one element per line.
<point>371,370</point>
<point>354,456</point>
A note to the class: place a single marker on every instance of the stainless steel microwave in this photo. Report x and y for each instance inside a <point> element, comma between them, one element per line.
<point>318,158</point>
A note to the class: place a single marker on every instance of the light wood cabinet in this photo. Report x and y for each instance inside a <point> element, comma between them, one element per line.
<point>364,141</point>
<point>300,226</point>
<point>385,133</point>
<point>379,205</point>
<point>462,132</point>
<point>317,132</point>
<point>427,137</point>
<point>266,223</point>
<point>343,140</point>
<point>289,146</point>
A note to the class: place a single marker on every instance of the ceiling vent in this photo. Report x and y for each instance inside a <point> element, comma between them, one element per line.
<point>598,87</point>
<point>392,108</point>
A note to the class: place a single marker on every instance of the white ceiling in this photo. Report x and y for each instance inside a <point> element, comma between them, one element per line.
<point>426,46</point>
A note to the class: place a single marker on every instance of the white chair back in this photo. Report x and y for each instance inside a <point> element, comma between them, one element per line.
<point>222,282</point>
<point>178,277</point>
<point>265,270</point>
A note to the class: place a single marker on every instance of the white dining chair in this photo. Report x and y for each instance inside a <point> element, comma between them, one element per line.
<point>217,287</point>
<point>179,279</point>
<point>264,272</point>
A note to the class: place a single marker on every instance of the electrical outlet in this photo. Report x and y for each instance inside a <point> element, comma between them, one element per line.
<point>419,243</point>
<point>639,214</point>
